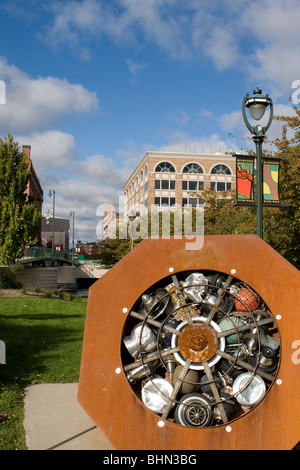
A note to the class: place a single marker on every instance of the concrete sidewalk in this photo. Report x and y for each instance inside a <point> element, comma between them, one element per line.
<point>54,420</point>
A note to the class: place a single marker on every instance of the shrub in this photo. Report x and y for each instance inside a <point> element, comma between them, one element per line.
<point>9,281</point>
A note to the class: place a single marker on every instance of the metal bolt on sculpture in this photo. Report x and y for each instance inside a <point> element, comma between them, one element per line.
<point>193,349</point>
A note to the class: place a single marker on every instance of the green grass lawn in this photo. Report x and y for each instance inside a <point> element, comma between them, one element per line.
<point>43,339</point>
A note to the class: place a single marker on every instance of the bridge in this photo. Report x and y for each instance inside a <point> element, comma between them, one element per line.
<point>36,255</point>
<point>38,270</point>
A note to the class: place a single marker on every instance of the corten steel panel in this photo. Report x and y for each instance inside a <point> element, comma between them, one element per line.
<point>107,396</point>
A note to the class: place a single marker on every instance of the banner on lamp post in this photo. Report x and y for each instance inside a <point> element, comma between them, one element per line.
<point>245,180</point>
<point>271,168</point>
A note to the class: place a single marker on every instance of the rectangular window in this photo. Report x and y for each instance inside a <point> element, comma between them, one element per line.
<point>164,184</point>
<point>192,202</point>
<point>146,186</point>
<point>164,201</point>
<point>220,186</point>
<point>193,185</point>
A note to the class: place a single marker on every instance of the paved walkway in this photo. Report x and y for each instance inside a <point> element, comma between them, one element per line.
<point>54,420</point>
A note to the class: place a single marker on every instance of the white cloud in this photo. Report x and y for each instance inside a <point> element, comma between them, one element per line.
<point>91,183</point>
<point>135,69</point>
<point>131,154</point>
<point>51,151</point>
<point>81,197</point>
<point>100,170</point>
<point>39,102</point>
<point>182,142</point>
<point>233,124</point>
<point>179,117</point>
<point>32,106</point>
<point>70,19</point>
<point>259,38</point>
<point>232,121</point>
<point>274,24</point>
<point>164,23</point>
<point>205,114</point>
<point>222,48</point>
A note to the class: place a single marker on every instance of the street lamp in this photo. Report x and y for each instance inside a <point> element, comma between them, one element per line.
<point>52,193</point>
<point>131,217</point>
<point>72,213</point>
<point>257,105</point>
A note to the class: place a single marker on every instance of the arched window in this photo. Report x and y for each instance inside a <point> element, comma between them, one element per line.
<point>192,168</point>
<point>219,184</point>
<point>221,169</point>
<point>165,167</point>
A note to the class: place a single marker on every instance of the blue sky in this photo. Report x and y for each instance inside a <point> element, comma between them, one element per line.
<point>92,85</point>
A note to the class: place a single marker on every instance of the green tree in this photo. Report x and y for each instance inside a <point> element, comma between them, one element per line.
<point>223,217</point>
<point>157,224</point>
<point>19,215</point>
<point>282,226</point>
<point>111,250</point>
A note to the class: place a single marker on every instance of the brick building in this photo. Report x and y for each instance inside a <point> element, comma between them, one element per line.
<point>61,233</point>
<point>34,188</point>
<point>165,179</point>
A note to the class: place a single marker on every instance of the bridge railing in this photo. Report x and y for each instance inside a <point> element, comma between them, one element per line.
<point>41,252</point>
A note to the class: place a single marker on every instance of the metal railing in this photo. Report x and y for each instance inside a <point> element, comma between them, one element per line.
<point>41,252</point>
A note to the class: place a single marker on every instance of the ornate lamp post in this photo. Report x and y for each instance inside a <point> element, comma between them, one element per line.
<point>131,217</point>
<point>52,193</point>
<point>257,105</point>
<point>72,213</point>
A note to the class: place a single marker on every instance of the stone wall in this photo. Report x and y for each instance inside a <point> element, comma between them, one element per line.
<point>44,278</point>
<point>66,278</point>
<point>55,278</point>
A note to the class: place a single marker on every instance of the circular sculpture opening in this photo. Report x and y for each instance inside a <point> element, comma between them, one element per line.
<point>200,349</point>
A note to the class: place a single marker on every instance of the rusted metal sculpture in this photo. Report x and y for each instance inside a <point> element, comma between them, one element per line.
<point>195,349</point>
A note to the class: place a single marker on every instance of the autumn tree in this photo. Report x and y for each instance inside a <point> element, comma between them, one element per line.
<point>112,250</point>
<point>19,215</point>
<point>158,222</point>
<point>282,226</point>
<point>223,217</point>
